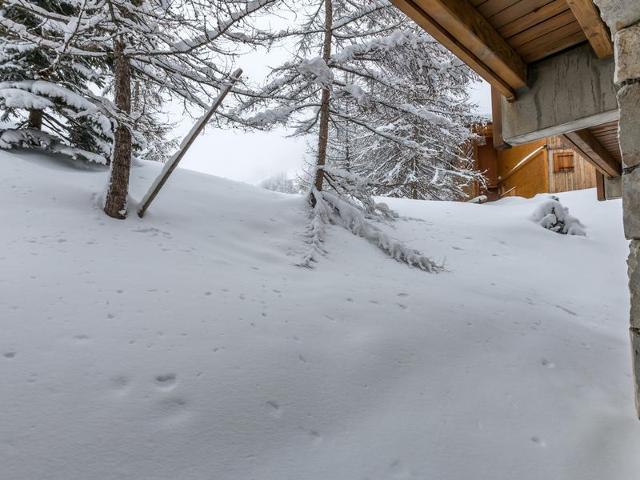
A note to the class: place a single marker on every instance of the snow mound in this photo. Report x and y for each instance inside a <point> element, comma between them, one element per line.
<point>553,216</point>
<point>188,345</point>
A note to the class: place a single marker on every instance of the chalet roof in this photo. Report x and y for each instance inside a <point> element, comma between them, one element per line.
<point>499,38</point>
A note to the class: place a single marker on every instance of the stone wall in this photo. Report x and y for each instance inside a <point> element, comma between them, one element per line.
<point>623,18</point>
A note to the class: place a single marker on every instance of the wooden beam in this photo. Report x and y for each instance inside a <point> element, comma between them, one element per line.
<point>588,146</point>
<point>458,26</point>
<point>594,28</point>
<point>173,162</point>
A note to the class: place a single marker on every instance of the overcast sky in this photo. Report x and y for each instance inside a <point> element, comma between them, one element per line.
<point>253,157</point>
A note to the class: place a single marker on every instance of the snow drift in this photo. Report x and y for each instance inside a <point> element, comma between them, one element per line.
<point>189,346</point>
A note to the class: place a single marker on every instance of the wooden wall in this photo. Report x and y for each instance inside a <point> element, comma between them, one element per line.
<point>540,174</point>
<point>583,174</point>
<point>528,181</point>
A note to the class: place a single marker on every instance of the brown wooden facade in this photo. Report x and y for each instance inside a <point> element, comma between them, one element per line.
<point>549,165</point>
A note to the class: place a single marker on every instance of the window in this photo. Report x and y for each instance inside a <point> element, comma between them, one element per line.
<point>563,162</point>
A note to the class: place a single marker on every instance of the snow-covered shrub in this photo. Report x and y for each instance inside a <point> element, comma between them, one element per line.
<point>554,216</point>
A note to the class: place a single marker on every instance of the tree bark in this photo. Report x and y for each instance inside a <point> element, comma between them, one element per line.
<point>323,135</point>
<point>35,119</point>
<point>116,201</point>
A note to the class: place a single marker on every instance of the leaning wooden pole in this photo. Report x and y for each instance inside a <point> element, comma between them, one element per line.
<point>171,165</point>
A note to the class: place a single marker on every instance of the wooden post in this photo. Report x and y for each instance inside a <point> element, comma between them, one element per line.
<point>172,163</point>
<point>496,115</point>
<point>602,196</point>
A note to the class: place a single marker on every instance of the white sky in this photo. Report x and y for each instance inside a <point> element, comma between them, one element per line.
<point>254,156</point>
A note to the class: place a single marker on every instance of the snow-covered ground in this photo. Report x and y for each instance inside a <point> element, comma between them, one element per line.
<point>188,346</point>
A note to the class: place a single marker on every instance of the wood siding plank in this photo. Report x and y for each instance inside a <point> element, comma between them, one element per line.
<point>554,42</point>
<point>542,29</point>
<point>491,7</point>
<point>510,25</point>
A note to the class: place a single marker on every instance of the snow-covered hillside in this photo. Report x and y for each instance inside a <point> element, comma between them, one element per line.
<point>188,346</point>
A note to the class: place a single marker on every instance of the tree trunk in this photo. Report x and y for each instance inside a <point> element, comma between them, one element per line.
<point>323,135</point>
<point>35,119</point>
<point>116,201</point>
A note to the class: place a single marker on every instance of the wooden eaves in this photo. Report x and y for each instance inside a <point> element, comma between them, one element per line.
<point>458,26</point>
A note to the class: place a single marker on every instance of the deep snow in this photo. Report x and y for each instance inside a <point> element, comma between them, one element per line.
<point>188,346</point>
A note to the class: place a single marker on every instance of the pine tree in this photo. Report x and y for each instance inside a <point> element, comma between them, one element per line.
<point>181,49</point>
<point>42,87</point>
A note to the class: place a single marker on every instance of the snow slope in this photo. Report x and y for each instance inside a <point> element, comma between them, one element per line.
<point>188,346</point>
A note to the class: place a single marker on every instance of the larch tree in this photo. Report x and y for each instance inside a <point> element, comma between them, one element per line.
<point>366,83</point>
<point>424,110</point>
<point>145,52</point>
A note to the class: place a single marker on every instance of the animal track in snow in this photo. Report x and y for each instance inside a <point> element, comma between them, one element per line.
<point>166,381</point>
<point>398,470</point>
<point>174,410</point>
<point>538,441</point>
<point>316,438</point>
<point>120,384</point>
<point>546,363</point>
<point>274,409</point>
<point>153,231</point>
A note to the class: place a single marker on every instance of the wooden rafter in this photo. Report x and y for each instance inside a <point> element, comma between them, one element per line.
<point>594,28</point>
<point>458,26</point>
<point>588,146</point>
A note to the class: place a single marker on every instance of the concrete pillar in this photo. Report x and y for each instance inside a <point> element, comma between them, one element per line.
<point>623,18</point>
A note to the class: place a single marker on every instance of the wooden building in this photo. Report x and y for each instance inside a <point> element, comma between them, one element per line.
<point>553,72</point>
<point>548,165</point>
<point>550,65</point>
